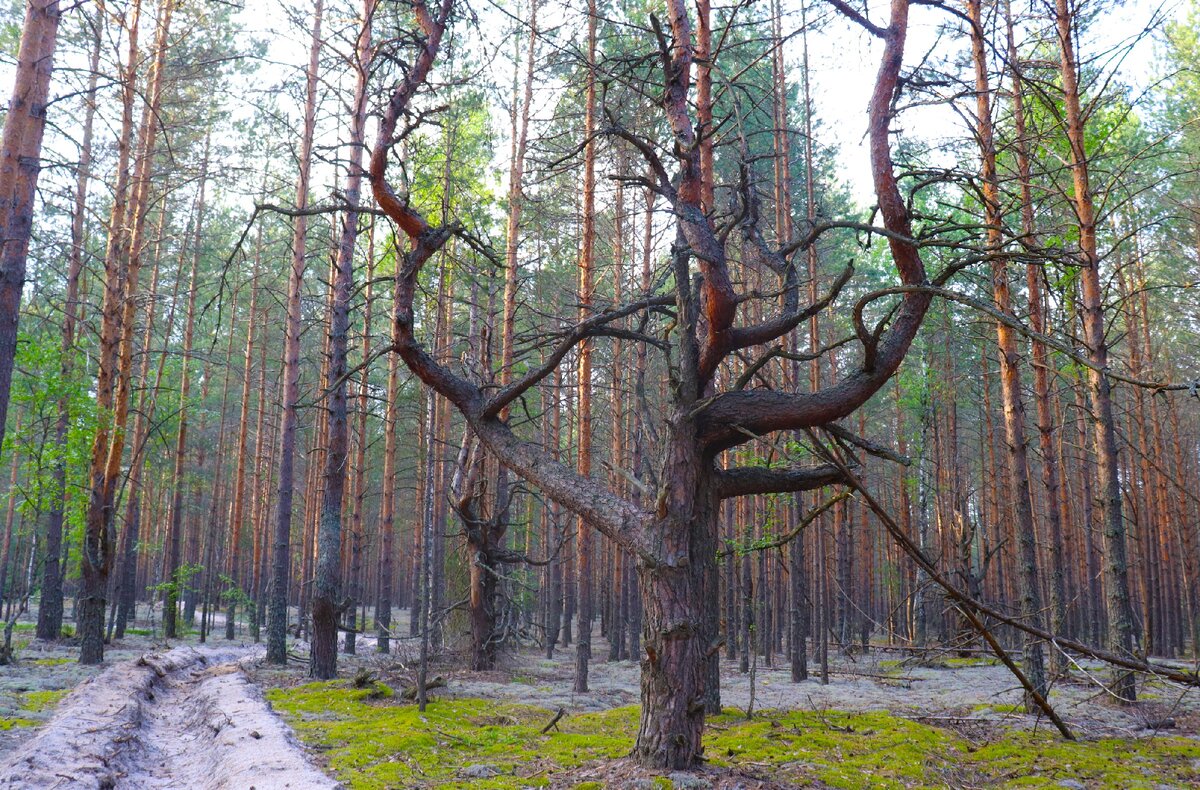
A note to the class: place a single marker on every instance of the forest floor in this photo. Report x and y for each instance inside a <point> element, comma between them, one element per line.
<point>191,716</point>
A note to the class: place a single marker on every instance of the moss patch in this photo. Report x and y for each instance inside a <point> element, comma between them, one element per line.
<point>958,663</point>
<point>476,743</point>
<point>997,707</point>
<point>371,744</point>
<point>840,749</point>
<point>1023,759</point>
<point>9,722</point>
<point>39,701</point>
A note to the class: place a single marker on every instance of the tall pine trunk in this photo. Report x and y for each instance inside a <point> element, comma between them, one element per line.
<point>175,580</point>
<point>1121,627</point>
<point>327,609</point>
<point>50,606</point>
<point>583,537</point>
<point>1010,378</point>
<point>113,382</point>
<point>277,615</point>
<point>1041,359</point>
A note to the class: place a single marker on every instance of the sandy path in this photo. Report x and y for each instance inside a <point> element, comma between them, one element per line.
<point>183,719</point>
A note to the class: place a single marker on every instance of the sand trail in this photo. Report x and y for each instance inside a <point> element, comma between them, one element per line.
<point>187,718</point>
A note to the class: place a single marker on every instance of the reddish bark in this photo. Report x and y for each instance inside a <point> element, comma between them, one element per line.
<point>1121,627</point>
<point>1010,378</point>
<point>20,165</point>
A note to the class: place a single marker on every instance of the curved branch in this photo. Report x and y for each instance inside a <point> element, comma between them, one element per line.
<point>730,418</point>
<point>793,533</point>
<point>866,445</point>
<point>744,337</point>
<point>858,17</point>
<point>614,516</point>
<point>1014,324</point>
<point>746,480</point>
<point>590,327</point>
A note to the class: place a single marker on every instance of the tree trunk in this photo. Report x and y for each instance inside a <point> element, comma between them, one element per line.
<point>174,579</point>
<point>124,590</point>
<point>674,668</point>
<point>20,165</point>
<point>259,501</point>
<point>50,605</point>
<point>278,613</point>
<point>583,537</point>
<point>238,516</point>
<point>1010,377</point>
<point>1041,361</point>
<point>96,554</point>
<point>387,535</point>
<point>327,584</point>
<point>122,265</point>
<point>1121,627</point>
<point>9,516</point>
<point>355,587</point>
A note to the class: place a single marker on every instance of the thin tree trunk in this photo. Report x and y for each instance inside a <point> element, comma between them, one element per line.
<point>1121,627</point>
<point>1041,361</point>
<point>50,605</point>
<point>122,265</point>
<point>9,516</point>
<point>278,613</point>
<point>355,586</point>
<point>124,592</point>
<point>583,538</point>
<point>387,539</point>
<point>174,579</point>
<point>1010,376</point>
<point>327,609</point>
<point>259,502</point>
<point>234,567</point>
<point>427,558</point>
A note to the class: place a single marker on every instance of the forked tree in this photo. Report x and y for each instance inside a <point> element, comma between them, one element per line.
<point>674,537</point>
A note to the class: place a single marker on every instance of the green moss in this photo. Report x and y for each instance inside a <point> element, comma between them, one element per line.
<point>383,744</point>
<point>51,662</point>
<point>38,701</point>
<point>663,783</point>
<point>1023,759</point>
<point>9,722</point>
<point>138,631</point>
<point>958,663</point>
<point>997,707</point>
<point>589,786</point>
<point>375,691</point>
<point>840,749</point>
<point>372,745</point>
